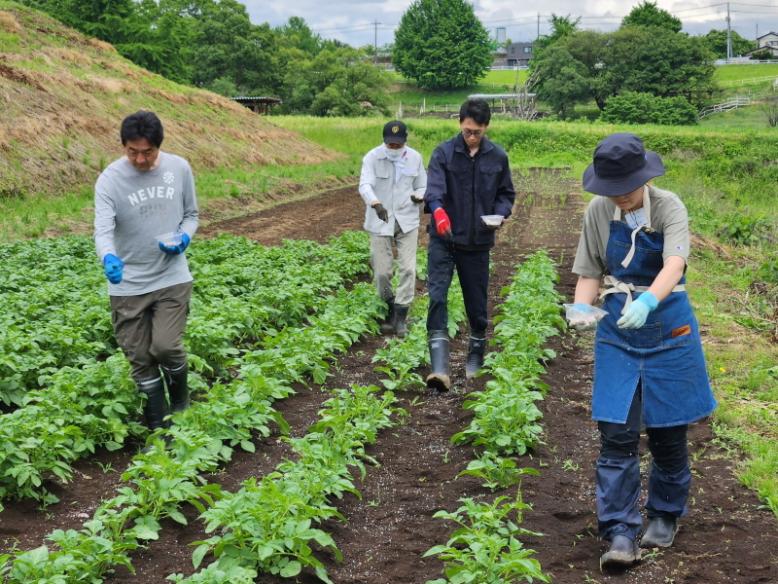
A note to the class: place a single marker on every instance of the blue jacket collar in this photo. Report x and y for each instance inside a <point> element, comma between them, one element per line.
<point>460,146</point>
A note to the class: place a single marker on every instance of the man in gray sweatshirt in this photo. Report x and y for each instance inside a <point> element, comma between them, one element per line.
<point>145,217</point>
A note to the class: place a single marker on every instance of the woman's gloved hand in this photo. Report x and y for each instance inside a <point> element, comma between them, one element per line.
<point>583,316</point>
<point>638,311</point>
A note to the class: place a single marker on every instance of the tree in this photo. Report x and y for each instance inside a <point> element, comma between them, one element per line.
<point>336,82</point>
<point>633,107</point>
<point>296,33</point>
<point>562,81</point>
<point>716,40</point>
<point>562,27</point>
<point>441,44</point>
<point>657,61</point>
<point>647,14</point>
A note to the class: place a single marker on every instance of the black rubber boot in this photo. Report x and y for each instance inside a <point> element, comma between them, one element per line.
<point>400,320</point>
<point>439,378</point>
<point>387,325</point>
<point>475,355</point>
<point>155,409</point>
<point>660,533</point>
<point>622,553</point>
<point>177,380</point>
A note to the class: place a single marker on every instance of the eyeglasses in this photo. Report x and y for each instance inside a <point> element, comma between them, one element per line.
<point>132,153</point>
<point>472,133</point>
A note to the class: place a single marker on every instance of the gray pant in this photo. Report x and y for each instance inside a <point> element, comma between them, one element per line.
<point>149,329</point>
<point>382,258</point>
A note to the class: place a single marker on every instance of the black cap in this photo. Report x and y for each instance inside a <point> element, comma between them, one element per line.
<point>621,165</point>
<point>395,132</point>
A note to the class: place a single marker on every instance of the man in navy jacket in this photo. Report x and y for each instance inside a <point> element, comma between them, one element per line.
<point>469,194</point>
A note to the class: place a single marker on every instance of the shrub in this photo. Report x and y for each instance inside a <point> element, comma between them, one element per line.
<point>632,107</point>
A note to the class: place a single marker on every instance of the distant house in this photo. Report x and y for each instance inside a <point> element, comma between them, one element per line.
<point>769,42</point>
<point>514,55</point>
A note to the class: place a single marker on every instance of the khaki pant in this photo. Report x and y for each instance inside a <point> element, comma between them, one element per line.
<point>382,259</point>
<point>149,329</point>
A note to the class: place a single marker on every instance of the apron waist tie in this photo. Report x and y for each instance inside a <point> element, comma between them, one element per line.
<point>616,286</point>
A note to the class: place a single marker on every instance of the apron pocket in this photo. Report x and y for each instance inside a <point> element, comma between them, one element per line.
<point>649,336</point>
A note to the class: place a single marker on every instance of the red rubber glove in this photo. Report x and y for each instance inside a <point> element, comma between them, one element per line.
<point>442,222</point>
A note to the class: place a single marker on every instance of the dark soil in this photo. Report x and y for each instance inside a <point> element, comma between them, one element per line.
<point>727,536</point>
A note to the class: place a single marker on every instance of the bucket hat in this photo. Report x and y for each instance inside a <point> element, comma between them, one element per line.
<point>621,164</point>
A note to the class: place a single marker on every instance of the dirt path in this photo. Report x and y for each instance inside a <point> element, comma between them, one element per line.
<point>726,538</point>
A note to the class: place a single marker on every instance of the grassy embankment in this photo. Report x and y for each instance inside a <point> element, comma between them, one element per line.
<point>727,180</point>
<point>63,96</point>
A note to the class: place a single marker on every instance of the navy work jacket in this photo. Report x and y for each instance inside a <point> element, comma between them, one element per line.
<point>468,187</point>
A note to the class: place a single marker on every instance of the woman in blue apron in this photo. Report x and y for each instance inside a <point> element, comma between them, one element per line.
<point>649,367</point>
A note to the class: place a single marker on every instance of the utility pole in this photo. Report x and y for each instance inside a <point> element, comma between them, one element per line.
<point>729,35</point>
<point>375,42</point>
<point>538,25</point>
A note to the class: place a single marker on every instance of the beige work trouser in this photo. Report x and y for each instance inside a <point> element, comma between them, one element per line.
<point>382,260</point>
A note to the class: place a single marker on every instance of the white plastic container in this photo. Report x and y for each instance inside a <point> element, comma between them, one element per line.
<point>170,239</point>
<point>492,221</point>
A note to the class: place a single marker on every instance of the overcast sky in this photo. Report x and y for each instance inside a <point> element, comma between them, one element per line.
<point>351,21</point>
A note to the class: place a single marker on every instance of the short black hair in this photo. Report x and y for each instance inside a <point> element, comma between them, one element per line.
<point>142,124</point>
<point>476,109</point>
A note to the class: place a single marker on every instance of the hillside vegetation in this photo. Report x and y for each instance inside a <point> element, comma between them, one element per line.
<point>63,96</point>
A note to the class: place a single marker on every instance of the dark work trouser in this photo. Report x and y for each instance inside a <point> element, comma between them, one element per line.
<point>473,271</point>
<point>149,329</point>
<point>618,474</point>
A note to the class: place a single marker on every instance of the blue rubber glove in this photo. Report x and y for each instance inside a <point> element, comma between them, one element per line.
<point>113,268</point>
<point>176,249</point>
<point>638,311</point>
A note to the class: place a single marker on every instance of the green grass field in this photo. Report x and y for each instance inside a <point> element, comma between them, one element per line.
<point>727,75</point>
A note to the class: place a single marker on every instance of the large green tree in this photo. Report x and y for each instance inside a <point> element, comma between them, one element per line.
<point>564,81</point>
<point>561,28</point>
<point>648,60</point>
<point>647,14</point>
<point>659,62</point>
<point>441,44</point>
<point>716,40</point>
<point>338,81</point>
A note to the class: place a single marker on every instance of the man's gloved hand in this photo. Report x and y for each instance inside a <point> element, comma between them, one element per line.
<point>176,249</point>
<point>382,213</point>
<point>638,311</point>
<point>113,268</point>
<point>418,200</point>
<point>442,222</point>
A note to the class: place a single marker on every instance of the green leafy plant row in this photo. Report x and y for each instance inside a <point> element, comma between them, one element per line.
<point>506,420</point>
<point>485,548</point>
<point>283,546</point>
<point>400,358</point>
<point>201,438</point>
<point>83,408</point>
<point>58,315</point>
<point>273,525</point>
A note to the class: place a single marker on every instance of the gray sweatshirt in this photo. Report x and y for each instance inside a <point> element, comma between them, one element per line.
<point>132,208</point>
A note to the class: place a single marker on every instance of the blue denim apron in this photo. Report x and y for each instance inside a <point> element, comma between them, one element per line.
<point>665,354</point>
